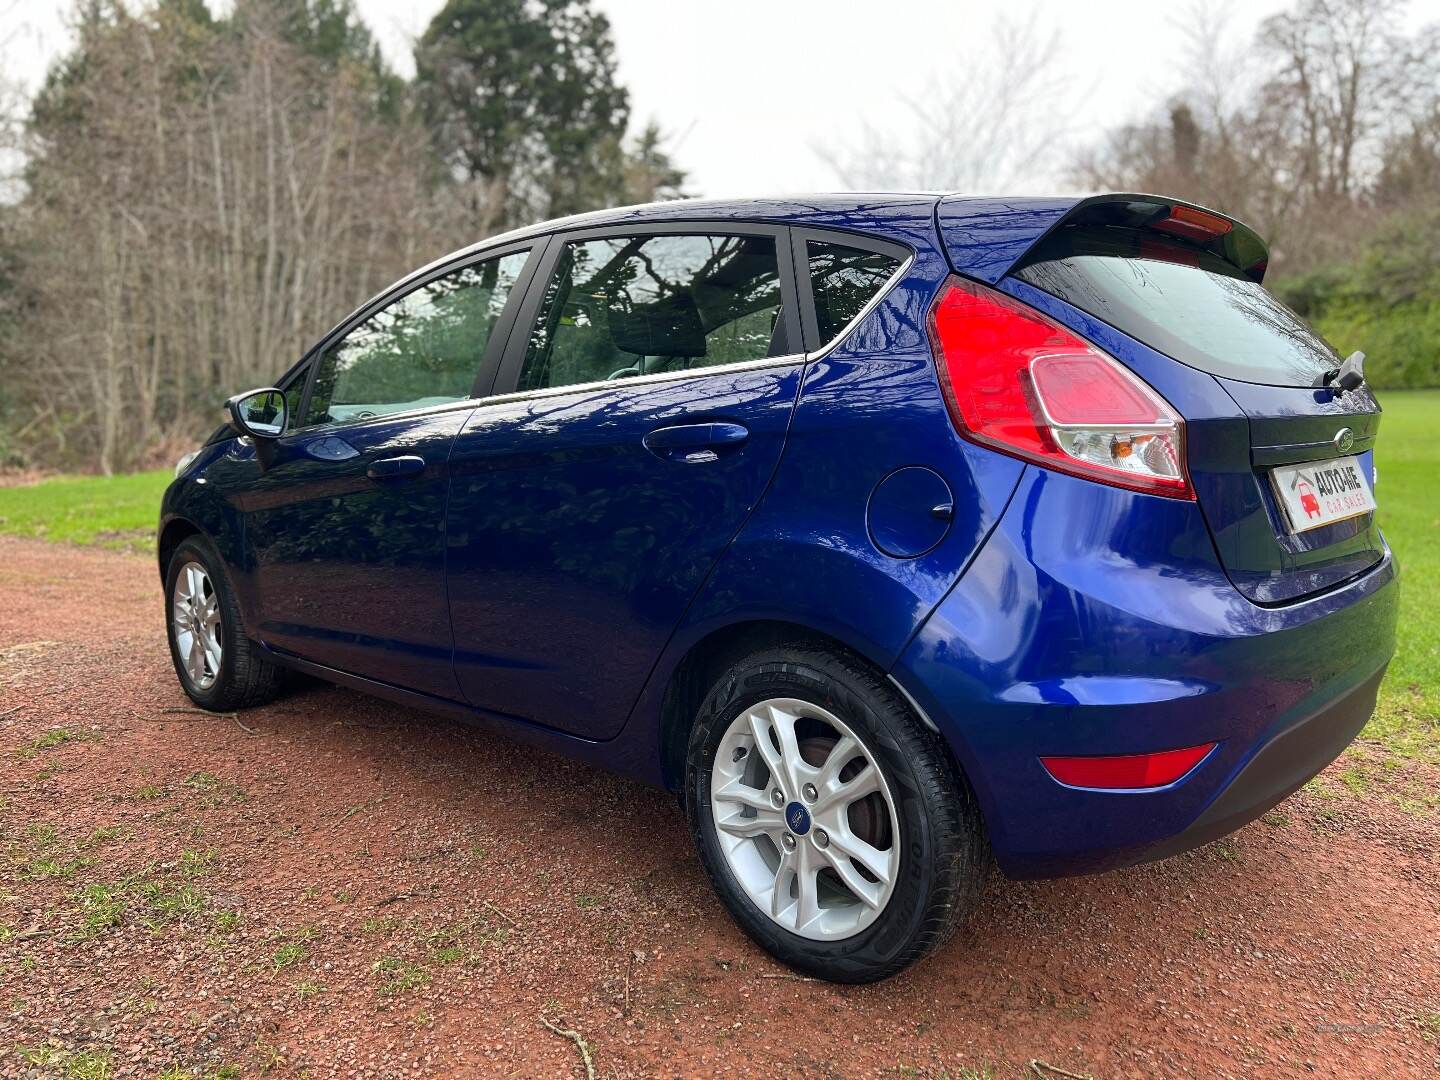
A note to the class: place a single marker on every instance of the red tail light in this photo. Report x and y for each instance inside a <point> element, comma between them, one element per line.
<point>1132,772</point>
<point>1023,384</point>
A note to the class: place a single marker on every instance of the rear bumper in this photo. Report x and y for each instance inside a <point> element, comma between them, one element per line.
<point>1277,769</point>
<point>1097,621</point>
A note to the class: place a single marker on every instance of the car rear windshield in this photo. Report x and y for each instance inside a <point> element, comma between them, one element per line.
<point>1182,301</point>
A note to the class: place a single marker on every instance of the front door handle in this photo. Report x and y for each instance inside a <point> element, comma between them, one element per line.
<point>392,468</point>
<point>696,444</point>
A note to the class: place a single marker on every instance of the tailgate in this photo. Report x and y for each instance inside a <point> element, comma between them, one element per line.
<point>1286,481</point>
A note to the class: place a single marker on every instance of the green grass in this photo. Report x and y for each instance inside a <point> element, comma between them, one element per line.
<point>397,976</point>
<point>287,955</point>
<point>117,512</point>
<point>1407,454</point>
<point>50,740</point>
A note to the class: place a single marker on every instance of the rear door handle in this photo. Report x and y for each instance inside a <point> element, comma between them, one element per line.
<point>696,444</point>
<point>392,468</point>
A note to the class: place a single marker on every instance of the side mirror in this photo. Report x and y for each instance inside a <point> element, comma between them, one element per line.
<point>261,414</point>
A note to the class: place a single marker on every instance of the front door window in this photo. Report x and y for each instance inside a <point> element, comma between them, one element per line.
<point>420,350</point>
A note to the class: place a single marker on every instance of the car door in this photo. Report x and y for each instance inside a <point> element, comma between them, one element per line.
<point>637,419</point>
<point>346,523</point>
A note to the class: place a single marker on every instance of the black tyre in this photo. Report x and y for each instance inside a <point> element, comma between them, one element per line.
<point>219,667</point>
<point>832,822</point>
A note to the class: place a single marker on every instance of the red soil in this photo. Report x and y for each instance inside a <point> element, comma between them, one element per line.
<point>412,898</point>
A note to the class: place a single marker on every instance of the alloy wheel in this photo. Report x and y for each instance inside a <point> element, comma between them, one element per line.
<point>805,819</point>
<point>195,619</point>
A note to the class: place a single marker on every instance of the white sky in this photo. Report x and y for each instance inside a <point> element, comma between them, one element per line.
<point>747,89</point>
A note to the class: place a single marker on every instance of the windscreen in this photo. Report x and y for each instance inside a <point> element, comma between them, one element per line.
<point>1189,304</point>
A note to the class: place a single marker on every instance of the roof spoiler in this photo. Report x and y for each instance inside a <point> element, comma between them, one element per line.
<point>987,238</point>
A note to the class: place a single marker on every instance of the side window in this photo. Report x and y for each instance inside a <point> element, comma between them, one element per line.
<point>844,280</point>
<point>637,305</point>
<point>422,349</point>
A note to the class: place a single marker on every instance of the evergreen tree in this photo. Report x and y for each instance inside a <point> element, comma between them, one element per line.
<point>521,96</point>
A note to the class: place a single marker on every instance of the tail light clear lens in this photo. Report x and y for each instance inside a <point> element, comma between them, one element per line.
<point>1022,383</point>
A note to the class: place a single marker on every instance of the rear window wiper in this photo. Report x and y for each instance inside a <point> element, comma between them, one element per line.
<point>1348,376</point>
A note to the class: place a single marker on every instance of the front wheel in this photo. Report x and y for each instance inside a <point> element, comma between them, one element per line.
<point>832,823</point>
<point>219,668</point>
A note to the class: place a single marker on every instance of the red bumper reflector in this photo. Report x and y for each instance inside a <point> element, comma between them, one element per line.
<point>1127,771</point>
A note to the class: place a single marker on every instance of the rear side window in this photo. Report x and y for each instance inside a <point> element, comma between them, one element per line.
<point>620,307</point>
<point>420,350</point>
<point>1187,303</point>
<point>843,280</point>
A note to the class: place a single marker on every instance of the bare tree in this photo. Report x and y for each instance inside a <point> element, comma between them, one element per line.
<point>1289,134</point>
<point>195,216</point>
<point>992,120</point>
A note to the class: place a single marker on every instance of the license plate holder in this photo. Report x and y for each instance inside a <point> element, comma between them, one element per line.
<point>1319,493</point>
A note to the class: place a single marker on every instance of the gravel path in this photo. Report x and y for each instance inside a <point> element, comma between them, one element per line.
<point>331,886</point>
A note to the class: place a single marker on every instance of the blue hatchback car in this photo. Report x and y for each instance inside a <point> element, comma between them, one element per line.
<point>896,534</point>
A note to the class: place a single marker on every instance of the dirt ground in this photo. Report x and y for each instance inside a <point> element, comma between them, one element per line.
<point>331,886</point>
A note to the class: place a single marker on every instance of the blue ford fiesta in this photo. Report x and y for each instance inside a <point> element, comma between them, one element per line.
<point>896,534</point>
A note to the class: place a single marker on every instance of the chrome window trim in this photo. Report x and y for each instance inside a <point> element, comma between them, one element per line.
<point>408,414</point>
<point>875,301</point>
<point>788,360</point>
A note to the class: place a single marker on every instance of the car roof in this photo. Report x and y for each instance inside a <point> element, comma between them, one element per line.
<point>899,215</point>
<point>820,208</point>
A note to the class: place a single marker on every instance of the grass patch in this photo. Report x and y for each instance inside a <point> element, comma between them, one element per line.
<point>116,512</point>
<point>197,863</point>
<point>446,955</point>
<point>79,1065</point>
<point>153,902</point>
<point>1407,719</point>
<point>384,925</point>
<point>101,907</point>
<point>43,854</point>
<point>108,833</point>
<point>51,739</point>
<point>173,903</point>
<point>287,956</point>
<point>306,990</point>
<point>397,976</point>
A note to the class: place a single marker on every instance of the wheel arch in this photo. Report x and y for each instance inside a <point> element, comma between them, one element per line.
<point>707,659</point>
<point>175,532</point>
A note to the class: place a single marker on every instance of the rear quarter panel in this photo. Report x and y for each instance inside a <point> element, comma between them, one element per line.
<point>869,406</point>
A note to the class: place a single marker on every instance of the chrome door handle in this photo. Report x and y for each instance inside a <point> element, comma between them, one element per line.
<point>392,468</point>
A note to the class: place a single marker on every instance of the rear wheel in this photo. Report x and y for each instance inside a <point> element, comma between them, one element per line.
<point>832,823</point>
<point>219,667</point>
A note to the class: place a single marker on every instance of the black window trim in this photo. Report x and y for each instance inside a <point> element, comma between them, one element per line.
<point>799,237</point>
<point>505,385</point>
<point>489,360</point>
